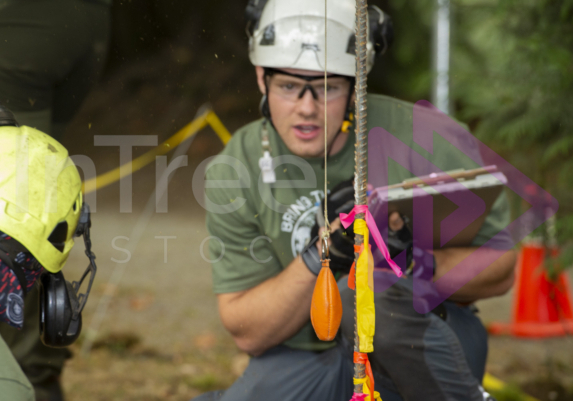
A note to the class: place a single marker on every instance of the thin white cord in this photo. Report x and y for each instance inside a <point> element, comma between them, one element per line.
<point>326,232</point>
<point>135,236</point>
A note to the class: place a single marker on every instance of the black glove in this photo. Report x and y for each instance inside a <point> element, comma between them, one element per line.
<point>400,240</point>
<point>340,200</point>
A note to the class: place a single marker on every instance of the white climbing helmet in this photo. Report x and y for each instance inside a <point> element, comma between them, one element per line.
<point>291,34</point>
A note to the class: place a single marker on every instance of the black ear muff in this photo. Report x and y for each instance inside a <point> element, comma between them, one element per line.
<point>381,29</point>
<point>7,119</point>
<point>58,302</point>
<point>61,303</point>
<point>253,14</point>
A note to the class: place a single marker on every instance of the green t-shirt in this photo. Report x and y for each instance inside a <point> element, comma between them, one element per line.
<point>260,228</point>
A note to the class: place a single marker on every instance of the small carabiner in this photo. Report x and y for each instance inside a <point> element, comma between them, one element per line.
<point>325,249</point>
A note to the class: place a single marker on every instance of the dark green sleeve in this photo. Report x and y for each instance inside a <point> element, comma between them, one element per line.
<point>13,383</point>
<point>242,255</point>
<point>496,221</point>
<point>448,157</point>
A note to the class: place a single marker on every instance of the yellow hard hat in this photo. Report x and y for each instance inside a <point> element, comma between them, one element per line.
<point>40,194</point>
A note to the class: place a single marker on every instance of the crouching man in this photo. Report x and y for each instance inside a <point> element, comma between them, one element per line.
<point>41,211</point>
<point>262,225</point>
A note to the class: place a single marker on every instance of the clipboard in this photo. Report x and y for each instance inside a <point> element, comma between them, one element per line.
<point>486,182</point>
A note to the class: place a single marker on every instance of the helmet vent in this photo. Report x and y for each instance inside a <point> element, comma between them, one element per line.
<point>58,236</point>
<point>351,46</point>
<point>268,38</point>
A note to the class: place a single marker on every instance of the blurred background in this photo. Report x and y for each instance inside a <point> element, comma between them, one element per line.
<point>511,81</point>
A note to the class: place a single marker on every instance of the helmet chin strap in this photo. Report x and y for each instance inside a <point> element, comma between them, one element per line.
<point>265,108</point>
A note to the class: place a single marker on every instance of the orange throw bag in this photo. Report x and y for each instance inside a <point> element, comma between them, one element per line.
<point>326,307</point>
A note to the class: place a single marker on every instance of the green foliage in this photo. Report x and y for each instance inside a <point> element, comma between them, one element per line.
<point>118,342</point>
<point>405,70</point>
<point>512,79</point>
<point>206,382</point>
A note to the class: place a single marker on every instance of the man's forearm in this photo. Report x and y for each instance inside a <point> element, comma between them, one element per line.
<point>495,279</point>
<point>270,313</point>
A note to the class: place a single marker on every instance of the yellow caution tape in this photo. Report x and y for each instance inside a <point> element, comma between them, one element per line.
<point>209,117</point>
<point>491,383</point>
<point>218,127</point>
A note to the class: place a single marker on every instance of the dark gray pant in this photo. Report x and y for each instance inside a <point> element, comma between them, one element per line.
<point>418,356</point>
<point>283,374</point>
<point>424,356</point>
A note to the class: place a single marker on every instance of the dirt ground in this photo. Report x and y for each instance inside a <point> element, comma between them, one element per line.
<point>160,337</point>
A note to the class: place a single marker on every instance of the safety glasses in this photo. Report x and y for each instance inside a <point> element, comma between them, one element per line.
<point>293,87</point>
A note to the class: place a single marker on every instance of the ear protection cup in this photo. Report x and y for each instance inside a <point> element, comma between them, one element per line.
<point>7,119</point>
<point>58,300</point>
<point>381,29</point>
<point>253,14</point>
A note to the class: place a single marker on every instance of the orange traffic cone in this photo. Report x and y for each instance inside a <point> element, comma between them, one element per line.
<point>541,308</point>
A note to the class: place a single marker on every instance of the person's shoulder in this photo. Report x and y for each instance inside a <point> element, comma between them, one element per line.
<point>241,150</point>
<point>244,140</point>
<point>384,101</point>
<point>396,112</point>
<point>389,113</point>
